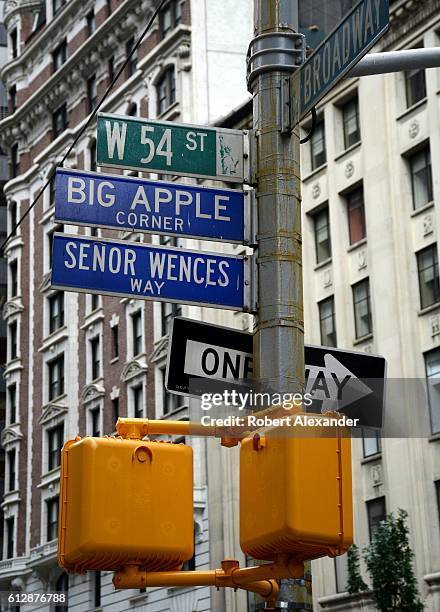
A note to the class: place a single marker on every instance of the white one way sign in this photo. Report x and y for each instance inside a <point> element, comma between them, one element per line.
<point>346,381</point>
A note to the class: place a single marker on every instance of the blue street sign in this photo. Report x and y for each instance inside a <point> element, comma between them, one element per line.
<point>116,267</point>
<point>120,202</point>
<point>360,29</point>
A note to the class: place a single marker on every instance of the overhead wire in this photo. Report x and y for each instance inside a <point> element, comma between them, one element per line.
<point>85,126</point>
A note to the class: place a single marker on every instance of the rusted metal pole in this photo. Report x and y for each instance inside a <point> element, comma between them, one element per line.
<point>275,52</point>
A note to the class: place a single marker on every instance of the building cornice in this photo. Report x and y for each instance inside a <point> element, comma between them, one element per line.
<point>82,62</point>
<point>405,17</point>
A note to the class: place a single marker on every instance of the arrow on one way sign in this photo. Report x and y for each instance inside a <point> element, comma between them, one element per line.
<point>334,384</point>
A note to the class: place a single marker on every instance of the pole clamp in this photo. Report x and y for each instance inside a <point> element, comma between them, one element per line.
<point>285,51</point>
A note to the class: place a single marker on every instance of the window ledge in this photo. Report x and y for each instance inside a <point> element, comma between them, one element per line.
<point>351,149</point>
<point>49,478</point>
<point>95,316</point>
<point>434,438</point>
<point>322,264</point>
<point>138,598</point>
<point>114,360</point>
<point>428,309</point>
<point>362,339</point>
<point>356,245</point>
<point>314,172</point>
<point>372,458</point>
<point>412,108</point>
<point>170,113</point>
<point>422,209</point>
<point>57,336</point>
<point>47,215</point>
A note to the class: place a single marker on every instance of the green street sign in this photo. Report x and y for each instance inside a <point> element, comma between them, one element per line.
<point>170,148</point>
<point>361,28</point>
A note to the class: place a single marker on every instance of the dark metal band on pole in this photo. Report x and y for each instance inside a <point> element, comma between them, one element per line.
<point>395,61</point>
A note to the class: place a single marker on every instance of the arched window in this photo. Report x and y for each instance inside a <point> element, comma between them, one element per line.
<point>166,90</point>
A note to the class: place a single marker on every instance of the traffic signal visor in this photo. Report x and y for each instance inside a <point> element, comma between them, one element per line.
<point>125,501</point>
<point>295,495</point>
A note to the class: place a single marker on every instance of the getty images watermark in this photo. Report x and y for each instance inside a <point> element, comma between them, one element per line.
<point>257,401</point>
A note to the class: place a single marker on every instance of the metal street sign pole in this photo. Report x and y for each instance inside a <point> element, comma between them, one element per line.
<point>279,331</point>
<point>395,61</point>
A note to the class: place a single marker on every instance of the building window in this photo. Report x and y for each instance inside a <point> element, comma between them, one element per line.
<point>421,177</point>
<point>427,264</point>
<point>10,528</point>
<point>318,152</point>
<point>136,327</point>
<point>95,422</point>
<point>13,276</point>
<point>166,90</point>
<point>56,311</point>
<point>59,120</point>
<point>356,215</point>
<point>437,491</point>
<point>432,368</point>
<point>138,402</point>
<point>12,396</point>
<point>327,321</point>
<point>55,439</point>
<point>13,218</point>
<point>115,410</point>
<point>13,333</point>
<point>95,357</point>
<point>115,341</point>
<point>376,513</point>
<point>59,56</point>
<point>52,519</point>
<point>15,161</point>
<point>111,69</point>
<point>169,311</point>
<point>362,308</point>
<point>92,153</point>
<point>14,43</point>
<point>415,83</point>
<point>371,443</point>
<point>94,301</point>
<point>350,118</point>
<point>57,5</point>
<point>56,377</point>
<point>13,99</point>
<point>132,62</point>
<point>341,573</point>
<point>97,589</point>
<point>322,235</point>
<point>91,93</point>
<point>91,23</point>
<point>170,17</point>
<point>169,399</point>
<point>11,482</point>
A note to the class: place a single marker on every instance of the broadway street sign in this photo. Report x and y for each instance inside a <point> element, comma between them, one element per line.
<point>120,202</point>
<point>350,381</point>
<point>171,148</point>
<point>115,267</point>
<point>338,53</point>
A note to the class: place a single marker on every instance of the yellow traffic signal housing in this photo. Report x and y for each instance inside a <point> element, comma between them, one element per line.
<point>125,501</point>
<point>295,494</point>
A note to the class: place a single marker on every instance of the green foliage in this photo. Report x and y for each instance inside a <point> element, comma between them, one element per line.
<point>355,584</point>
<point>389,560</point>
